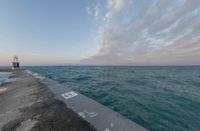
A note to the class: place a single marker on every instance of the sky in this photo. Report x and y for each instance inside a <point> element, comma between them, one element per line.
<point>100,32</point>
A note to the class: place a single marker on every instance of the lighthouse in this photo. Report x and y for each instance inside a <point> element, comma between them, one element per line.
<point>15,63</point>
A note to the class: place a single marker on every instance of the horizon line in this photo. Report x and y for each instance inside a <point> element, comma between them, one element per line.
<point>102,65</point>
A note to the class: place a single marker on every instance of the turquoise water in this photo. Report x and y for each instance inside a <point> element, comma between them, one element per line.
<point>158,98</point>
<point>4,76</point>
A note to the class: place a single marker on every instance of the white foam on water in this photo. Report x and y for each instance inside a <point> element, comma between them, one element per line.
<point>11,80</point>
<point>4,76</point>
<point>36,75</point>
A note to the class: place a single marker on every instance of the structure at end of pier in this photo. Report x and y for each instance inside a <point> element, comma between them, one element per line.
<point>15,63</point>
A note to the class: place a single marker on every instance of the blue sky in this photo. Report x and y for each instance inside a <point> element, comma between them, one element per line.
<point>113,32</point>
<point>46,29</point>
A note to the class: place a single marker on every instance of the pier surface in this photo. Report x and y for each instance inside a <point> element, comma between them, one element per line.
<point>101,117</point>
<point>36,103</point>
<point>27,104</point>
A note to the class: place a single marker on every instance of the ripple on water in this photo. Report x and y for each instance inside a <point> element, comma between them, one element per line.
<point>158,98</point>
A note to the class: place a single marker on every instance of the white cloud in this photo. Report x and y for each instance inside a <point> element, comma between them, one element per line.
<point>94,12</point>
<point>89,11</point>
<point>156,32</point>
<point>97,11</point>
<point>115,7</point>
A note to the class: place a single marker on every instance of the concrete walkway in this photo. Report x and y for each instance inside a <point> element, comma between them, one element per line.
<point>101,117</point>
<point>28,105</point>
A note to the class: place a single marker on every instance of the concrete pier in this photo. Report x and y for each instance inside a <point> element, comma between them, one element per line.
<point>28,105</point>
<point>101,117</point>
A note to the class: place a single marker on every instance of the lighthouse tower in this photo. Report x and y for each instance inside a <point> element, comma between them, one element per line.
<point>15,63</point>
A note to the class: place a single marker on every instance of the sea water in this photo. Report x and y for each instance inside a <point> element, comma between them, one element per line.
<point>4,76</point>
<point>158,98</point>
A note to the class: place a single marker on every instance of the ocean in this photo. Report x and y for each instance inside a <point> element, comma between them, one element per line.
<point>165,98</point>
<point>4,76</point>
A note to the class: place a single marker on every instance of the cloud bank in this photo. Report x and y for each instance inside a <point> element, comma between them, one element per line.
<point>147,32</point>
